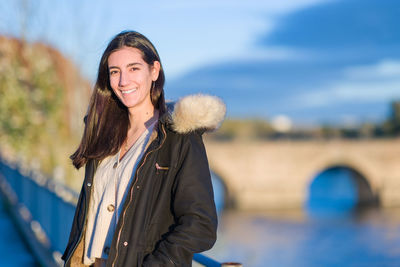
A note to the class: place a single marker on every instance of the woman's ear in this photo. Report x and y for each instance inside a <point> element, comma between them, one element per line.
<point>155,70</point>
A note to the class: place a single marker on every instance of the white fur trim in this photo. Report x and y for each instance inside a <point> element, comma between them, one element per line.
<point>198,112</point>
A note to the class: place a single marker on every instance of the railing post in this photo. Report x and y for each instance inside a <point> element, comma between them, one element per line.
<point>231,264</point>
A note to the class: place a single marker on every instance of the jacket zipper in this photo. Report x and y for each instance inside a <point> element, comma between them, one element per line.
<point>130,195</point>
<point>77,243</point>
<point>84,225</point>
<point>169,258</point>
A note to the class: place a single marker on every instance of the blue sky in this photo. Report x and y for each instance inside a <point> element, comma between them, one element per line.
<point>313,61</point>
<point>188,34</point>
<point>331,62</point>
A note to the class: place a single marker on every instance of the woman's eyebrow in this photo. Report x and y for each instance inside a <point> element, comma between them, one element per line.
<point>133,64</point>
<point>129,65</point>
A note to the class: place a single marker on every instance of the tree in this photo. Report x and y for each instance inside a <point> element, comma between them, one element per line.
<point>394,118</point>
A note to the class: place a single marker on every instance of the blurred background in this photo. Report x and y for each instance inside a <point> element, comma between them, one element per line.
<point>306,166</point>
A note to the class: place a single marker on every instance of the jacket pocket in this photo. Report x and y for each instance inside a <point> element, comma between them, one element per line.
<point>161,169</point>
<point>140,257</point>
<point>152,237</point>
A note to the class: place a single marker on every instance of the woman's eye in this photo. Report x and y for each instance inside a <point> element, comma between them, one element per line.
<point>134,68</point>
<point>113,72</point>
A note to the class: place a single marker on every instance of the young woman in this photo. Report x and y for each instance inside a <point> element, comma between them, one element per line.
<point>147,197</point>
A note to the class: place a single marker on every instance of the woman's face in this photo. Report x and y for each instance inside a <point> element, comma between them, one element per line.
<point>131,77</point>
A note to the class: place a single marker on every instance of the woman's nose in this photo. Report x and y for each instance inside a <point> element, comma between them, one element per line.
<point>123,79</point>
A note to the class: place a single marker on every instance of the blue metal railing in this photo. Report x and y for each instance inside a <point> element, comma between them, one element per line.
<point>206,261</point>
<point>48,207</point>
<point>49,204</point>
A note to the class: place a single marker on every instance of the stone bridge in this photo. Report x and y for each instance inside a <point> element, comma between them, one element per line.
<point>261,175</point>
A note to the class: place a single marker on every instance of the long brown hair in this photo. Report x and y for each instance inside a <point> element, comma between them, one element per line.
<point>107,120</point>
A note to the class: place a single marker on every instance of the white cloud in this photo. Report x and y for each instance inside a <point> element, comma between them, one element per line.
<point>351,92</point>
<point>384,69</point>
<point>360,84</point>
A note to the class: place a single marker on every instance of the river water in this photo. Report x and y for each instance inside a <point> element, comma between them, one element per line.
<point>293,239</point>
<point>303,238</point>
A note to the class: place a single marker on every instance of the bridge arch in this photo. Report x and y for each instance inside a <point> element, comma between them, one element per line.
<point>222,193</point>
<point>365,168</point>
<point>340,186</point>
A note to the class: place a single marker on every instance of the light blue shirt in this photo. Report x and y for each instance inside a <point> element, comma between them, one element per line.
<point>111,181</point>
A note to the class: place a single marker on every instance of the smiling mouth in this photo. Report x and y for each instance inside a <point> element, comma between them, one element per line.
<point>128,91</point>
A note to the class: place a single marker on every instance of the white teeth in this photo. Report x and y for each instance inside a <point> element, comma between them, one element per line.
<point>128,91</point>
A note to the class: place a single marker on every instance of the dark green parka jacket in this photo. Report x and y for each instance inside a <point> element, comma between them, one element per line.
<point>169,212</point>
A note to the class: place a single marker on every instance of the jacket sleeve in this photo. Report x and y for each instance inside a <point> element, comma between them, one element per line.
<point>193,207</point>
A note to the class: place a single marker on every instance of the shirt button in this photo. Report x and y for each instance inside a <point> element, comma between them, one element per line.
<point>115,165</point>
<point>125,243</point>
<point>89,184</point>
<point>110,208</point>
<point>137,187</point>
<point>106,250</point>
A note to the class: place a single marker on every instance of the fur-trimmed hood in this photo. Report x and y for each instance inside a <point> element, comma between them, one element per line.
<point>197,112</point>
